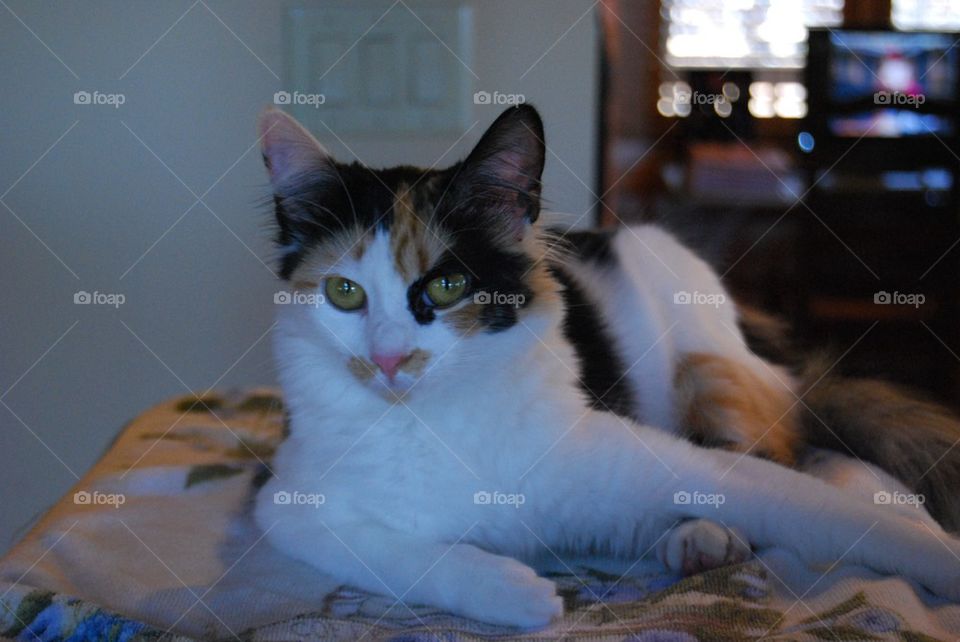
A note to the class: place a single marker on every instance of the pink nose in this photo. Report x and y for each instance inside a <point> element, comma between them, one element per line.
<point>389,363</point>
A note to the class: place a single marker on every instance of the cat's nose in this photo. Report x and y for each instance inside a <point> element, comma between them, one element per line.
<point>390,363</point>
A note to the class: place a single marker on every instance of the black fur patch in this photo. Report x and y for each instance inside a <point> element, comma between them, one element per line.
<point>592,245</point>
<point>343,197</point>
<point>489,269</point>
<point>601,369</point>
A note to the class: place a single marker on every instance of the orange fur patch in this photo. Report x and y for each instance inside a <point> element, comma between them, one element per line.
<point>415,247</point>
<point>353,242</point>
<point>361,368</point>
<point>543,285</point>
<point>723,403</point>
<point>415,362</point>
<point>465,319</point>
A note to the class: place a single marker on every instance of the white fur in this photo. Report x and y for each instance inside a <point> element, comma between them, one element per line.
<point>503,412</point>
<point>651,328</point>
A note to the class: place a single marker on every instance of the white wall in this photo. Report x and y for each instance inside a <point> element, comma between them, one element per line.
<point>99,200</point>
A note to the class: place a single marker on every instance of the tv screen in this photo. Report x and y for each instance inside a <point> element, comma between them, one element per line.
<point>888,84</point>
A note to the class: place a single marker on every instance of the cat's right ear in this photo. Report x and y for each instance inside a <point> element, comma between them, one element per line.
<point>302,174</point>
<point>291,154</point>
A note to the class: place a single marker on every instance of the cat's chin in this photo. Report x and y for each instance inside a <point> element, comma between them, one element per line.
<point>392,390</point>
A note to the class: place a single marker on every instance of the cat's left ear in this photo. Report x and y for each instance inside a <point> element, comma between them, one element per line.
<point>505,167</point>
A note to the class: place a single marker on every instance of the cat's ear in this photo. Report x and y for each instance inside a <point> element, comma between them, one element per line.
<point>290,153</point>
<point>505,167</point>
<point>304,178</point>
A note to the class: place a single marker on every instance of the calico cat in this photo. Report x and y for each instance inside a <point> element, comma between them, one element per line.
<point>474,390</point>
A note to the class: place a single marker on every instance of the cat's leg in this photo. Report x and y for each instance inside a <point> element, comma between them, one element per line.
<point>776,506</point>
<point>698,545</point>
<point>701,544</point>
<point>630,484</point>
<point>459,578</point>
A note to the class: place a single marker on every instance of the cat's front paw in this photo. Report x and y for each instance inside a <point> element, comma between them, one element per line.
<point>510,593</point>
<point>700,545</point>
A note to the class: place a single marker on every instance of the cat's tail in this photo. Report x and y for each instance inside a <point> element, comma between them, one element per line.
<point>912,438</point>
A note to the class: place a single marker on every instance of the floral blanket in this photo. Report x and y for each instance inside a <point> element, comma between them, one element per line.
<point>156,542</point>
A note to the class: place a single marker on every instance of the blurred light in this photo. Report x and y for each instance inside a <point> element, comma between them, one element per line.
<point>782,26</point>
<point>731,92</point>
<point>675,99</point>
<point>712,41</point>
<point>665,107</point>
<point>760,108</point>
<point>783,99</point>
<point>762,90</point>
<point>743,33</point>
<point>938,179</point>
<point>931,15</point>
<point>766,99</point>
<point>790,90</point>
<point>901,181</point>
<point>806,142</point>
<point>681,91</point>
<point>790,109</point>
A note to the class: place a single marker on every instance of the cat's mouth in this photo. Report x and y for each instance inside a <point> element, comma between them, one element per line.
<point>397,378</point>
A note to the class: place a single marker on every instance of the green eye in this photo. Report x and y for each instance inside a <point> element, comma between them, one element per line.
<point>446,290</point>
<point>345,294</point>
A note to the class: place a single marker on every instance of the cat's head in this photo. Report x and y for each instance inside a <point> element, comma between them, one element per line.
<point>407,267</point>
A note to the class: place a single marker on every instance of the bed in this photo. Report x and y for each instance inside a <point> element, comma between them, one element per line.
<point>156,542</point>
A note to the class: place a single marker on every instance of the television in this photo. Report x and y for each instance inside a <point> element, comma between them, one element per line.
<point>883,84</point>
